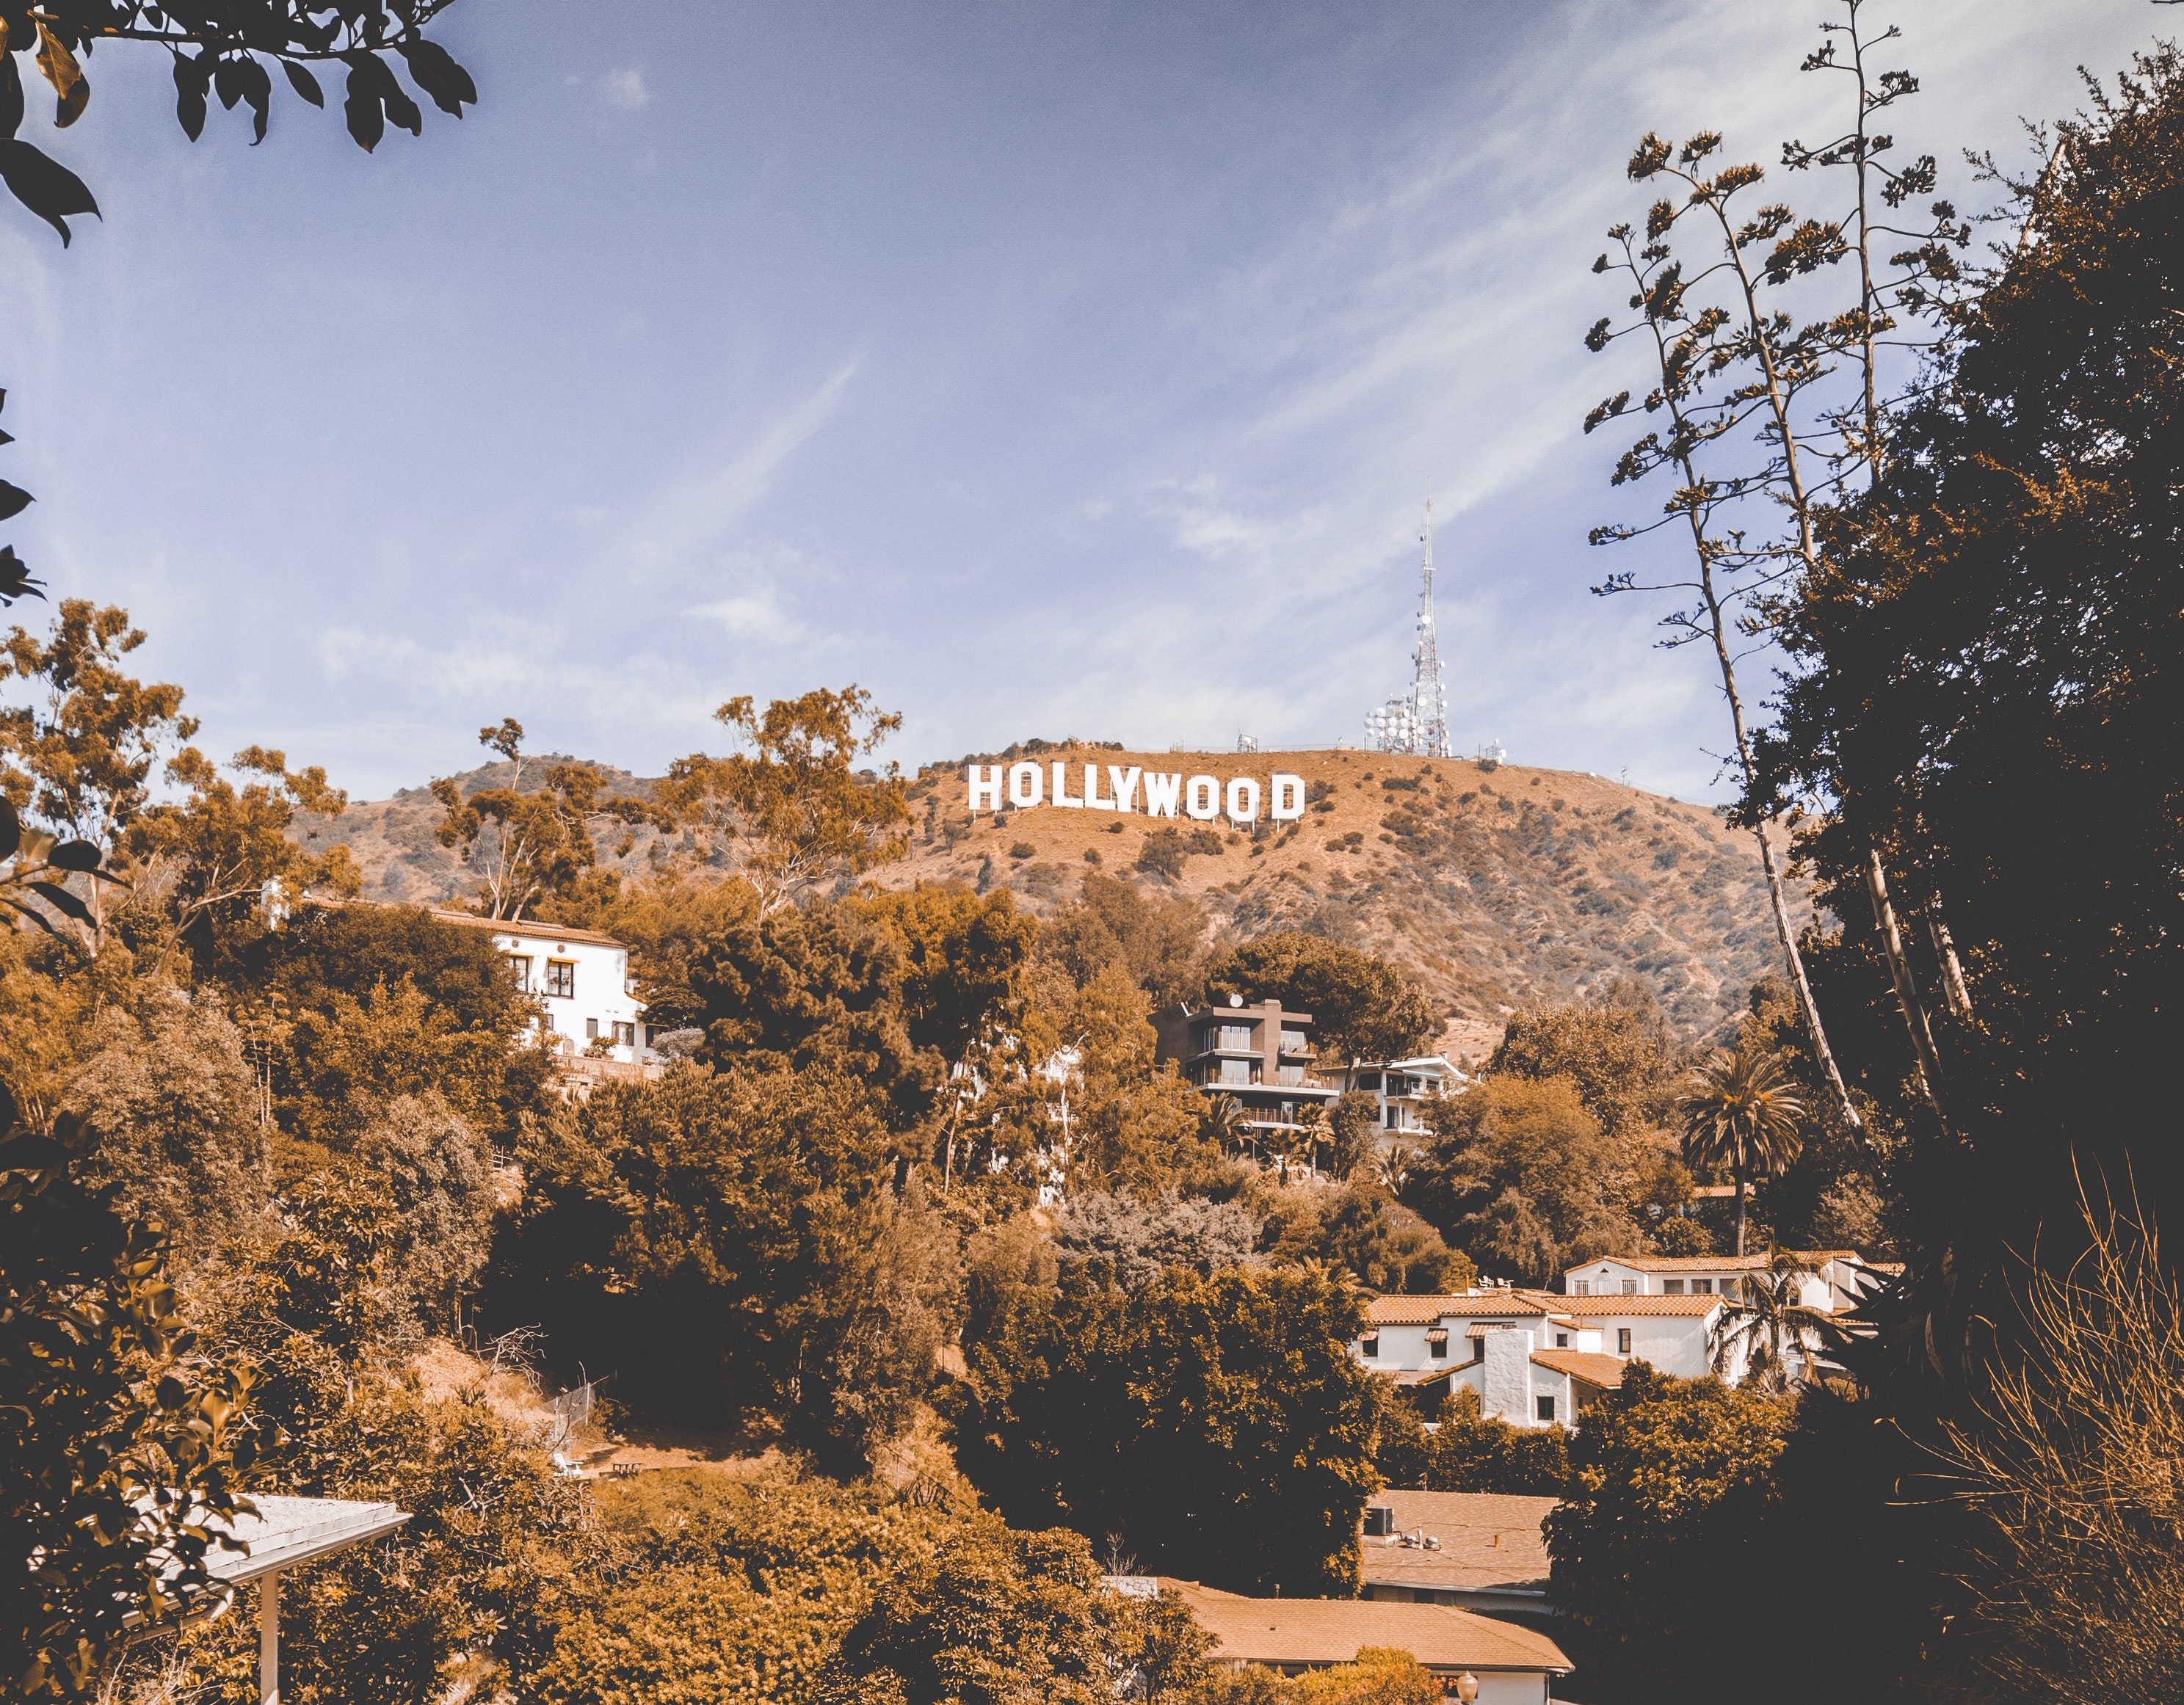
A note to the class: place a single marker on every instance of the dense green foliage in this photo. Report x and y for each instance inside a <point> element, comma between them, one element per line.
<point>1218,1425</point>
<point>1362,1008</point>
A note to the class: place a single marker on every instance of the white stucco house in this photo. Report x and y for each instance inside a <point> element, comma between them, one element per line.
<point>1837,1279</point>
<point>1402,1088</point>
<point>580,980</point>
<point>1535,1359</point>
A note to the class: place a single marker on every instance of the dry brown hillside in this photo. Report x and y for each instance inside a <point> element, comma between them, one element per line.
<point>1498,887</point>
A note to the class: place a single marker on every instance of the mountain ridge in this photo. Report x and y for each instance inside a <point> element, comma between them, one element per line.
<point>1497,885</point>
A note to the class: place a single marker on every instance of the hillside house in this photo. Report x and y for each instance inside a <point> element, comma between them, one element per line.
<point>1473,1550</point>
<point>1835,1282</point>
<point>1535,1359</point>
<point>581,979</point>
<point>1261,1055</point>
<point>1510,1664</point>
<point>1401,1089</point>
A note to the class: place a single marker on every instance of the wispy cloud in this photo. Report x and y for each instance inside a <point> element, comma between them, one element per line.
<point>625,89</point>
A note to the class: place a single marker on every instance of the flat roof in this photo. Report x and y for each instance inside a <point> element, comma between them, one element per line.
<point>287,1531</point>
<point>1488,1542</point>
<point>1327,1631</point>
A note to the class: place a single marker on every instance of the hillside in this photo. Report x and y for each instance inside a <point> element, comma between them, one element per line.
<point>1498,887</point>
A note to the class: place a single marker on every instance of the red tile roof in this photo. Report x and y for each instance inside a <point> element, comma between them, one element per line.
<point>1588,1365</point>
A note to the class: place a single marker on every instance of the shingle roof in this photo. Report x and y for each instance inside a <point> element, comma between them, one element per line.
<point>1489,1541</point>
<point>1334,1630</point>
<point>1588,1365</point>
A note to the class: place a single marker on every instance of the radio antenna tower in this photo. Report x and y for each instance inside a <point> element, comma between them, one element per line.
<point>1428,698</point>
<point>1415,723</point>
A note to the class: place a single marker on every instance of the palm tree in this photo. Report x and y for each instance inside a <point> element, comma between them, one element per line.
<point>1767,1319</point>
<point>1224,1120</point>
<point>1739,1111</point>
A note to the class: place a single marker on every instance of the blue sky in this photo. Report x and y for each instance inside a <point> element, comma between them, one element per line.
<point>1047,369</point>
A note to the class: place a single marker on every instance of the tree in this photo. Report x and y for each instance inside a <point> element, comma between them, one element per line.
<point>1767,1321</point>
<point>1997,597</point>
<point>219,851</point>
<point>803,816</point>
<point>1727,366</point>
<point>122,1449</point>
<point>80,762</point>
<point>182,1140</point>
<point>1615,1047</point>
<point>1353,1130</point>
<point>996,1618</point>
<point>1362,1008</point>
<point>1137,1242</point>
<point>530,846</point>
<point>1516,1175</point>
<point>437,1175</point>
<point>1218,1424</point>
<point>1157,939</point>
<point>1671,1482</point>
<point>1470,1452</point>
<point>1387,1248</point>
<point>1740,1112</point>
<point>734,1246</point>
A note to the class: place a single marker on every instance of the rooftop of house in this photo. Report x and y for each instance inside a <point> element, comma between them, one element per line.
<point>1708,1263</point>
<point>1489,1542</point>
<point>1513,1304</point>
<point>1327,1631</point>
<point>530,927</point>
<point>1593,1366</point>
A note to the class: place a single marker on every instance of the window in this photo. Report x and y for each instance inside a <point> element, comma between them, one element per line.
<point>520,963</point>
<point>561,979</point>
<point>1394,1117</point>
<point>592,1029</point>
<point>1546,1409</point>
<point>1562,1340</point>
<point>1235,1039</point>
<point>1437,1343</point>
<point>1235,1072</point>
<point>1629,1287</point>
<point>625,1035</point>
<point>1622,1341</point>
<point>1582,1287</point>
<point>1702,1287</point>
<point>1672,1287</point>
<point>1293,1042</point>
<point>1292,1076</point>
<point>1369,1344</point>
<point>1368,1080</point>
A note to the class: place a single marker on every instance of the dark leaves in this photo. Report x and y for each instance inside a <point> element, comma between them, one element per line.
<point>375,101</point>
<point>64,903</point>
<point>16,583</point>
<point>11,837</point>
<point>192,79</point>
<point>11,96</point>
<point>43,185</point>
<point>438,75</point>
<point>304,83</point>
<point>14,500</point>
<point>70,86</point>
<point>76,856</point>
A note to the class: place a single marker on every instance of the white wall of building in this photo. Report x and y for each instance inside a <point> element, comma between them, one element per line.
<point>594,972</point>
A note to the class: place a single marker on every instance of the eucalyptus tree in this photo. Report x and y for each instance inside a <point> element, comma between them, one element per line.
<point>1754,438</point>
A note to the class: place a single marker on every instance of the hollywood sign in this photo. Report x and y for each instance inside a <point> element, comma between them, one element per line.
<point>1205,798</point>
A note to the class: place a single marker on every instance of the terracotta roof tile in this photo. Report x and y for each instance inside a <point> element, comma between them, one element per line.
<point>1588,1365</point>
<point>1708,1263</point>
<point>1595,1308</point>
<point>1480,1305</point>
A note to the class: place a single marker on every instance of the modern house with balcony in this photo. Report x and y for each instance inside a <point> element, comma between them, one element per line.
<point>1260,1054</point>
<point>1401,1089</point>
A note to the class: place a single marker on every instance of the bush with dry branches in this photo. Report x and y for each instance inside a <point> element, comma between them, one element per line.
<point>2073,1466</point>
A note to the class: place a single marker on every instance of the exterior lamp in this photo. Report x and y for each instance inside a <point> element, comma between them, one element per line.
<point>1467,1687</point>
